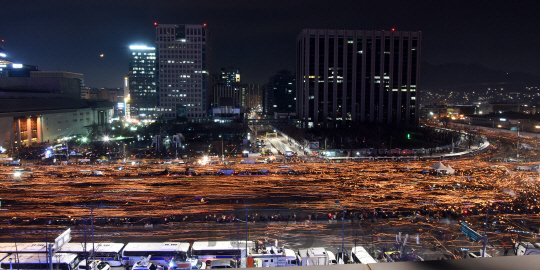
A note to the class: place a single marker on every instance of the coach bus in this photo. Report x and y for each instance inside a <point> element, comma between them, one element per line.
<point>37,247</point>
<point>360,255</point>
<point>34,261</point>
<point>163,253</point>
<point>110,253</point>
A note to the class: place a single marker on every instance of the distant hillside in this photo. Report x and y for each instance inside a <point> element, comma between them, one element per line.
<point>473,77</point>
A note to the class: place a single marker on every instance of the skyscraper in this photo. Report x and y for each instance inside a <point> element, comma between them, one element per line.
<point>182,71</point>
<point>357,75</point>
<point>141,83</point>
<point>280,93</point>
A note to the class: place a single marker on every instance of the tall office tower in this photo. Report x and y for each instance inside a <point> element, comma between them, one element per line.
<point>182,71</point>
<point>280,93</point>
<point>142,98</point>
<point>358,76</point>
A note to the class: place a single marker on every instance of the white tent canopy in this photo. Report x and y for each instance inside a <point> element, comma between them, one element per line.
<point>439,167</point>
<point>450,170</point>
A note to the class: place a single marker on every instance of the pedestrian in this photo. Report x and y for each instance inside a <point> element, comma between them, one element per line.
<point>505,252</point>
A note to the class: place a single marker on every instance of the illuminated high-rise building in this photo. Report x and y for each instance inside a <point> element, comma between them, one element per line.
<point>357,76</point>
<point>141,91</point>
<point>182,76</point>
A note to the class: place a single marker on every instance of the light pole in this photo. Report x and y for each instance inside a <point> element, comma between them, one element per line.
<point>222,157</point>
<point>342,233</point>
<point>485,234</point>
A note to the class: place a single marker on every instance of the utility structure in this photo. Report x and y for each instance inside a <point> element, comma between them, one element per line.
<point>342,233</point>
<point>52,248</point>
<point>92,207</point>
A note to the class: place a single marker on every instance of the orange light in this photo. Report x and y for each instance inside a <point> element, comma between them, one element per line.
<point>393,29</point>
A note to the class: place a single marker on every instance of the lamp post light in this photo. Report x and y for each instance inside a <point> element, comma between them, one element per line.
<point>342,233</point>
<point>222,157</point>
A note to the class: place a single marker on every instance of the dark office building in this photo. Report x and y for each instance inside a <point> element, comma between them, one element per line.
<point>230,75</point>
<point>357,76</point>
<point>280,93</point>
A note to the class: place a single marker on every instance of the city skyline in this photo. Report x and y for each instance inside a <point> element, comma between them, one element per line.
<point>259,38</point>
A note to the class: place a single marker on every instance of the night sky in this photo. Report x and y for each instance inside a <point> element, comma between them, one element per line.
<point>259,36</point>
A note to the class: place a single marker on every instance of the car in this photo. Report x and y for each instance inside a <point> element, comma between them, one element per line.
<point>94,265</point>
<point>477,254</point>
<point>222,264</point>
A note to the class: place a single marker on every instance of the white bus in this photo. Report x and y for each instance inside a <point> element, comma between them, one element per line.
<point>217,250</point>
<point>38,261</point>
<point>37,247</point>
<point>110,253</point>
<point>360,255</point>
<point>163,253</point>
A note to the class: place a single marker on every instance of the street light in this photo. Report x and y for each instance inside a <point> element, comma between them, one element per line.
<point>342,233</point>
<point>222,157</point>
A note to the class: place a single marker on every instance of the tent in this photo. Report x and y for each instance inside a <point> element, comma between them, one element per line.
<point>439,167</point>
<point>450,170</point>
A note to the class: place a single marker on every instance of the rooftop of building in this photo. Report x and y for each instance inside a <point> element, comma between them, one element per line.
<point>49,104</point>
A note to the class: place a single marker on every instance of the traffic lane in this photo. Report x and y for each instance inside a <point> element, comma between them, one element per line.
<point>297,235</point>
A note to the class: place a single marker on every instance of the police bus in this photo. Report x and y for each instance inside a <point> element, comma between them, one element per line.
<point>33,261</point>
<point>162,253</point>
<point>110,253</point>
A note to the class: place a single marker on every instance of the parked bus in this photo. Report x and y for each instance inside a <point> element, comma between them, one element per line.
<point>216,250</point>
<point>39,261</point>
<point>360,255</point>
<point>37,247</point>
<point>110,253</point>
<point>163,253</point>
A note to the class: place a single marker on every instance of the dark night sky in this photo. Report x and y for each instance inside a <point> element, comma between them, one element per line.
<point>259,36</point>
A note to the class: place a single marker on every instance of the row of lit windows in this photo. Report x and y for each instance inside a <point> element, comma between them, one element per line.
<point>179,46</point>
<point>148,57</point>
<point>181,56</point>
<point>134,53</point>
<point>181,51</point>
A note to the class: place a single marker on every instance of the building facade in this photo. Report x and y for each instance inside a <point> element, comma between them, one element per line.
<point>252,95</point>
<point>25,122</point>
<point>221,90</point>
<point>280,93</point>
<point>181,66</point>
<point>142,98</point>
<point>358,76</point>
<point>230,75</point>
